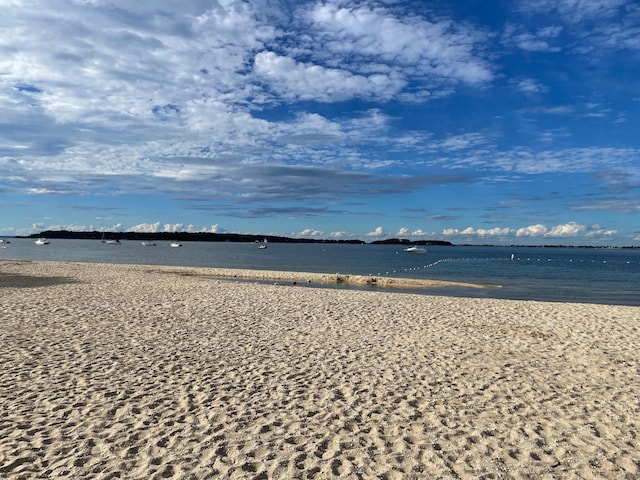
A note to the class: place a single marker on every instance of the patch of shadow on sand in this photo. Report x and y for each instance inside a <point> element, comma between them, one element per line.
<point>15,280</point>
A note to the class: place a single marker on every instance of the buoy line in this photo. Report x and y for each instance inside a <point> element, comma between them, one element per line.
<point>499,259</point>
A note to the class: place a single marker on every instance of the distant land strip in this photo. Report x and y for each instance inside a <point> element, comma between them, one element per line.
<point>214,237</point>
<point>247,237</point>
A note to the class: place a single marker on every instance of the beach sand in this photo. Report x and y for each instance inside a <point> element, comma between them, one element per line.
<point>113,371</point>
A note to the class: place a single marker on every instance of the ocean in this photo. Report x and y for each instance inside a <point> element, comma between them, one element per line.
<point>591,275</point>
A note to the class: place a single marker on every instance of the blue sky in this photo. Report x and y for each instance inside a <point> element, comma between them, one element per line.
<point>469,121</point>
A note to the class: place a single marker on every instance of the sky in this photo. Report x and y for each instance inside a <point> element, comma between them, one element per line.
<point>470,121</point>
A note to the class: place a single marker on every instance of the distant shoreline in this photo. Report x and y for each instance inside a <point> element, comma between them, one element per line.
<point>216,237</point>
<point>246,237</point>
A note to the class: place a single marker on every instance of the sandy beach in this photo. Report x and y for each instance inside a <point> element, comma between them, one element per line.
<point>138,372</point>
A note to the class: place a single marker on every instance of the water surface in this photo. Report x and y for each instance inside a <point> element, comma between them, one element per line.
<point>610,276</point>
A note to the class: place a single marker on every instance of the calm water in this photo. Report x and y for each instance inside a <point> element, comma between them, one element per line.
<point>610,276</point>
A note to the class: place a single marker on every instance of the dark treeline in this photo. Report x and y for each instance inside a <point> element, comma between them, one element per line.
<point>215,237</point>
<point>244,237</point>
<point>180,236</point>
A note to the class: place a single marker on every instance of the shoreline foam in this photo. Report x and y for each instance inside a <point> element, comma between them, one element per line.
<point>126,370</point>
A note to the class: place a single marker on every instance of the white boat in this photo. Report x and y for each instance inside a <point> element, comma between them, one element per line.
<point>148,244</point>
<point>2,240</point>
<point>263,245</point>
<point>42,241</point>
<point>415,249</point>
<point>175,244</point>
<point>111,241</point>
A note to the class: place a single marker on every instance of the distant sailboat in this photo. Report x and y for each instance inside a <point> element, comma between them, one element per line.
<point>110,241</point>
<point>263,245</point>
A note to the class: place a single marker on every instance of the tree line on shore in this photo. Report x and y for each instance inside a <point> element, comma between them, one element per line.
<point>216,237</point>
<point>247,237</point>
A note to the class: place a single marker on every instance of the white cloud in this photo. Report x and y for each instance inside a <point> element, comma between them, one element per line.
<point>574,11</point>
<point>571,229</point>
<point>537,230</point>
<point>480,232</point>
<point>145,228</point>
<point>567,230</point>
<point>185,87</point>
<point>175,89</point>
<point>493,232</point>
<point>177,227</point>
<point>214,229</point>
<point>459,142</point>
<point>438,49</point>
<point>305,81</point>
<point>530,42</point>
<point>596,25</point>
<point>377,232</point>
<point>542,40</point>
<point>531,162</point>
<point>625,205</point>
<point>529,85</point>
<point>107,51</point>
<point>172,228</point>
<point>310,232</point>
<point>596,231</point>
<point>621,36</point>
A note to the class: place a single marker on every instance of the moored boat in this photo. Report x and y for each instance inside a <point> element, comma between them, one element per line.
<point>415,249</point>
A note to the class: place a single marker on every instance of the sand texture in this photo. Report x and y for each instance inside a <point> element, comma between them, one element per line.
<point>139,372</point>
